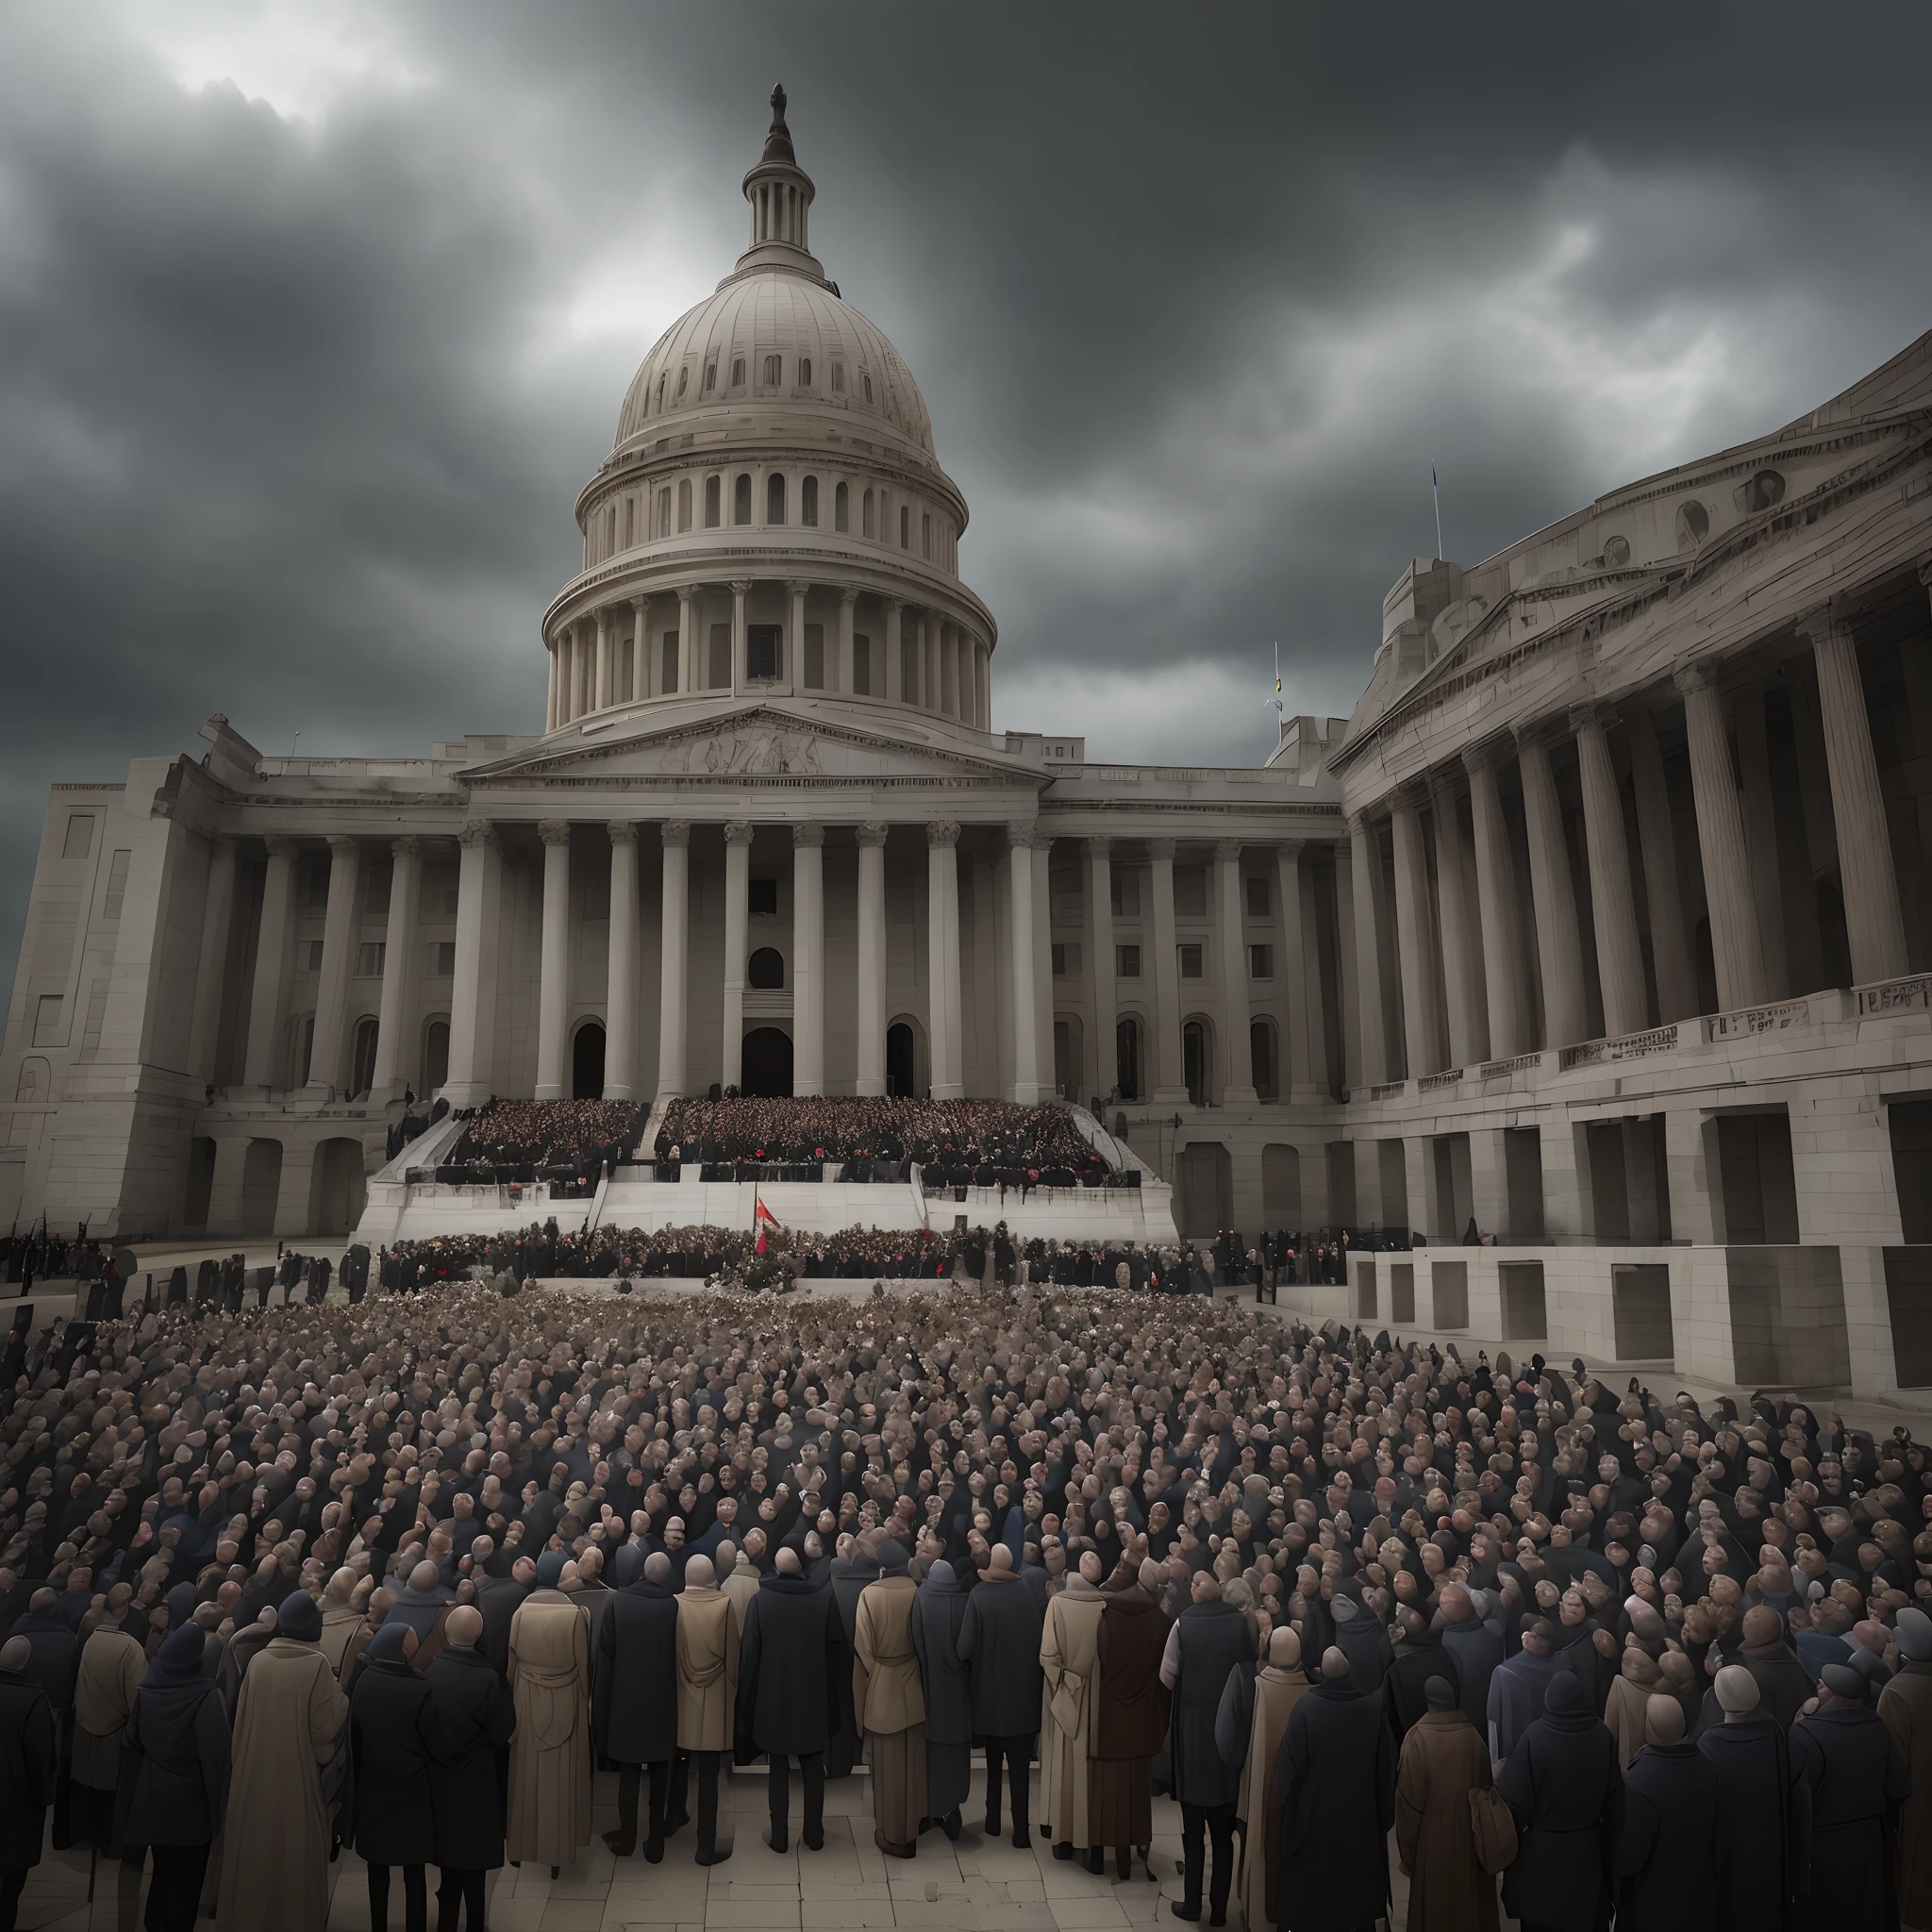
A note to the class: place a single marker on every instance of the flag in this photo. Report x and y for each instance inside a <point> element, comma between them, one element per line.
<point>762,1214</point>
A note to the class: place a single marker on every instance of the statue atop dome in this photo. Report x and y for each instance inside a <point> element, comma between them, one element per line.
<point>780,192</point>
<point>778,139</point>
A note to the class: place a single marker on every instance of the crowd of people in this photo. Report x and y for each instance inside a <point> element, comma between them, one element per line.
<point>404,1574</point>
<point>25,1258</point>
<point>559,1140</point>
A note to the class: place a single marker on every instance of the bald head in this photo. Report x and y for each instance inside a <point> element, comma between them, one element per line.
<point>16,1654</point>
<point>1089,1566</point>
<point>1284,1648</point>
<point>787,1561</point>
<point>656,1567</point>
<point>699,1575</point>
<point>1663,1721</point>
<point>1000,1562</point>
<point>1334,1664</point>
<point>463,1628</point>
<point>423,1576</point>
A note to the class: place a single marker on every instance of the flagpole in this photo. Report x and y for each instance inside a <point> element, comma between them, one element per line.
<point>1436,492</point>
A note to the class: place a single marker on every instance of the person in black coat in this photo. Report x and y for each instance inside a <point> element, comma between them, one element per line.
<point>1848,1783</point>
<point>1210,1640</point>
<point>389,1723</point>
<point>1363,1642</point>
<point>175,1781</point>
<point>634,1694</point>
<point>1666,1866</point>
<point>999,1640</point>
<point>473,1716</point>
<point>789,1660</point>
<point>1419,1657</point>
<point>27,1765</point>
<point>1563,1786</point>
<point>1335,1805</point>
<point>1752,1852</point>
<point>499,1601</point>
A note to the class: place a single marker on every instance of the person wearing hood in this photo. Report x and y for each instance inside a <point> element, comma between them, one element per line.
<point>789,1660</point>
<point>938,1607</point>
<point>890,1704</point>
<point>340,1617</point>
<point>1666,1864</point>
<point>1850,1783</point>
<point>1069,1643</point>
<point>1751,1853</point>
<point>1419,1661</point>
<point>421,1605</point>
<point>634,1704</point>
<point>1362,1641</point>
<point>472,1717</point>
<point>175,1791</point>
<point>28,1763</point>
<point>1130,1714</point>
<point>1563,1786</point>
<point>1248,1731</point>
<point>1000,1640</point>
<point>708,1644</point>
<point>1905,1708</point>
<point>549,1815</point>
<point>1335,1797</point>
<point>390,1720</point>
<point>1207,1641</point>
<point>1783,1683</point>
<point>1519,1686</point>
<point>1443,1760</point>
<point>291,1725</point>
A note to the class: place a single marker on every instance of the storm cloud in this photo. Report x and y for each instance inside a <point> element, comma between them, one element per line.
<point>313,320</point>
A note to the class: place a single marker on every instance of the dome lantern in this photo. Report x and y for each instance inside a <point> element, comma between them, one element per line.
<point>780,193</point>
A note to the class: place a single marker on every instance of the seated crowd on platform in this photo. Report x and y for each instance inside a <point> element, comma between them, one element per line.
<point>569,1141</point>
<point>455,1539</point>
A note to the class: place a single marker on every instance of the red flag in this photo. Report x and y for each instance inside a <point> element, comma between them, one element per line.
<point>760,1214</point>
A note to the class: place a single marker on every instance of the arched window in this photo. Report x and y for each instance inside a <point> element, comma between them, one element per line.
<point>363,1077</point>
<point>738,372</point>
<point>1196,1060</point>
<point>764,972</point>
<point>741,500</point>
<point>684,504</point>
<point>1127,1058</point>
<point>866,516</point>
<point>435,1057</point>
<point>841,507</point>
<point>805,372</point>
<point>905,527</point>
<point>664,512</point>
<point>660,396</point>
<point>868,388</point>
<point>711,495</point>
<point>774,372</point>
<point>683,383</point>
<point>775,497</point>
<point>837,378</point>
<point>809,503</point>
<point>711,378</point>
<point>1261,1058</point>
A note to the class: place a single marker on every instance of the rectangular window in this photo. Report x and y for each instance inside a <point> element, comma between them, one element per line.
<point>117,883</point>
<point>720,668</point>
<point>1258,896</point>
<point>925,536</point>
<point>315,956</point>
<point>369,957</point>
<point>664,512</point>
<point>711,377</point>
<point>667,661</point>
<point>1260,962</point>
<point>79,840</point>
<point>1191,891</point>
<point>861,664</point>
<point>764,650</point>
<point>442,959</point>
<point>684,504</point>
<point>1125,892</point>
<point>712,492</point>
<point>815,656</point>
<point>761,898</point>
<point>1066,960</point>
<point>1191,961</point>
<point>1126,962</point>
<point>905,527</point>
<point>47,1019</point>
<point>317,888</point>
<point>96,1013</point>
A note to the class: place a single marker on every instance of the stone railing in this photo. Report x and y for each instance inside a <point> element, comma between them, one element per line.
<point>1429,1083</point>
<point>1629,1046</point>
<point>1523,1063</point>
<point>1754,1020</point>
<point>1895,996</point>
<point>1388,1089</point>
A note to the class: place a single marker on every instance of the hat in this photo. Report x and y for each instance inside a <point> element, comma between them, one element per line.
<point>1565,1692</point>
<point>893,1559</point>
<point>299,1617</point>
<point>549,1569</point>
<point>1736,1689</point>
<point>1913,1629</point>
<point>1842,1681</point>
<point>1439,1693</point>
<point>627,1565</point>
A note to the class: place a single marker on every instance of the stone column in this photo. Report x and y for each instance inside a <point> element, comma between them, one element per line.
<point>872,956</point>
<point>472,997</point>
<point>550,717</point>
<point>1237,1062</point>
<point>1368,952</point>
<point>794,643</point>
<point>740,588</point>
<point>1415,938</point>
<point>889,682</point>
<point>1735,943</point>
<point>1761,833</point>
<point>1299,1042</point>
<point>950,697</point>
<point>1348,981</point>
<point>339,930</point>
<point>553,984</point>
<point>1105,1067</point>
<point>399,943</point>
<point>607,646</point>
<point>621,987</point>
<point>1028,1089</point>
<point>943,955</point>
<point>218,915</point>
<point>1873,920</point>
<point>691,664</point>
<point>738,835</point>
<point>1168,1069</point>
<point>642,682</point>
<point>808,961</point>
<point>1497,903</point>
<point>1613,901</point>
<point>1559,936</point>
<point>1670,944</point>
<point>929,693</point>
<point>1463,968</point>
<point>673,1056</point>
<point>843,674</point>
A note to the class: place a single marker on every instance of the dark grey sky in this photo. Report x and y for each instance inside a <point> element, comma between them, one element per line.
<point>313,319</point>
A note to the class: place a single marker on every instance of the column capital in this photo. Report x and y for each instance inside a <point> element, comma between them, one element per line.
<point>737,831</point>
<point>943,832</point>
<point>798,586</point>
<point>1161,848</point>
<point>409,846</point>
<point>896,607</point>
<point>477,832</point>
<point>603,617</point>
<point>675,832</point>
<point>622,832</point>
<point>848,596</point>
<point>1691,677</point>
<point>341,846</point>
<point>281,846</point>
<point>638,604</point>
<point>1593,713</point>
<point>1099,845</point>
<point>1228,851</point>
<point>741,586</point>
<point>1488,752</point>
<point>554,831</point>
<point>1443,783</point>
<point>1816,626</point>
<point>1358,824</point>
<point>806,835</point>
<point>1026,832</point>
<point>1291,849</point>
<point>1410,796</point>
<point>1533,732</point>
<point>873,832</point>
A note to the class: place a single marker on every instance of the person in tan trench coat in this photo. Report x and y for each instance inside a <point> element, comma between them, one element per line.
<point>708,1634</point>
<point>549,1819</point>
<point>288,1726</point>
<point>889,1703</point>
<point>1069,1646</point>
<point>1267,1701</point>
<point>1443,1759</point>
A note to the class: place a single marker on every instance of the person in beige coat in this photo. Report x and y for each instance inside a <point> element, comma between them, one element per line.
<point>1068,1652</point>
<point>549,1820</point>
<point>1637,1680</point>
<point>112,1667</point>
<point>709,1632</point>
<point>890,1704</point>
<point>289,1726</point>
<point>1278,1686</point>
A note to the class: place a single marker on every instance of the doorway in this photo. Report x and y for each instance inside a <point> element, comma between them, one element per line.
<point>767,1071</point>
<point>901,1059</point>
<point>587,1062</point>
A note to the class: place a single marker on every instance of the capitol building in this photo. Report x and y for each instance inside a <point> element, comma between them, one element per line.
<point>1604,924</point>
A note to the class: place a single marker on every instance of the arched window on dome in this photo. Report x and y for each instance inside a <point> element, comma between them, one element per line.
<point>684,504</point>
<point>738,372</point>
<point>868,388</point>
<point>683,383</point>
<point>865,524</point>
<point>905,527</point>
<point>741,500</point>
<point>841,507</point>
<point>660,396</point>
<point>713,489</point>
<point>837,378</point>
<point>805,372</point>
<point>774,372</point>
<point>775,497</point>
<point>809,503</point>
<point>664,511</point>
<point>711,378</point>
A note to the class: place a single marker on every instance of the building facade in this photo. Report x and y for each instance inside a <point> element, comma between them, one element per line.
<point>1599,925</point>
